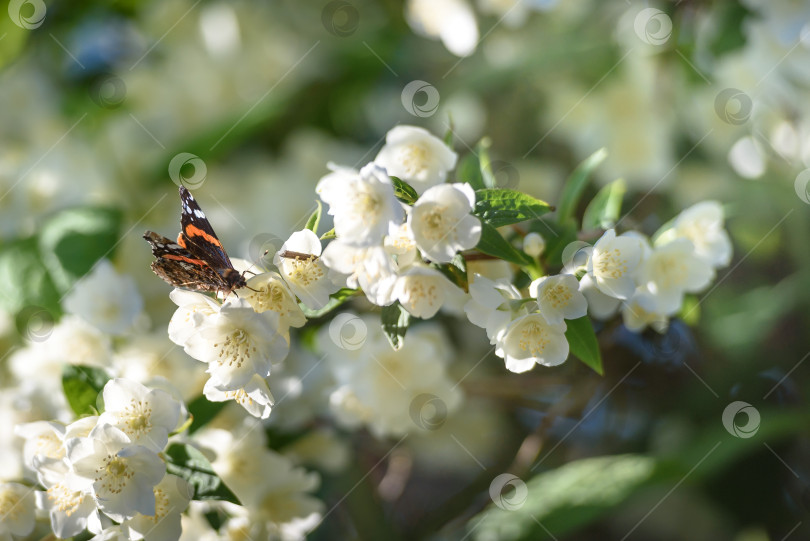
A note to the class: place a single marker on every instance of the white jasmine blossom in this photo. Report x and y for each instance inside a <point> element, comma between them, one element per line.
<point>614,262</point>
<point>416,156</point>
<point>70,508</point>
<point>400,244</point>
<point>17,510</point>
<point>306,276</point>
<point>559,297</point>
<point>369,268</point>
<point>255,396</point>
<point>237,343</point>
<point>146,416</point>
<point>441,222</point>
<point>423,290</point>
<point>193,309</point>
<point>531,340</point>
<point>672,270</point>
<point>600,306</point>
<point>272,293</point>
<point>644,309</point>
<point>105,299</point>
<point>534,244</point>
<point>491,304</point>
<point>702,224</point>
<point>363,204</point>
<point>172,496</point>
<point>120,475</point>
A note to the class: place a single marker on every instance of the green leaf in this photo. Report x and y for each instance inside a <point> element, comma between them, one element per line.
<point>583,343</point>
<point>455,271</point>
<point>564,499</point>
<point>329,234</point>
<point>72,241</point>
<point>82,386</point>
<point>395,320</point>
<point>485,163</point>
<point>189,463</point>
<point>448,135</point>
<point>335,299</point>
<point>202,411</point>
<point>404,191</point>
<point>315,219</point>
<point>27,285</point>
<point>499,207</point>
<point>493,243</point>
<point>605,208</point>
<point>575,185</point>
<point>469,171</point>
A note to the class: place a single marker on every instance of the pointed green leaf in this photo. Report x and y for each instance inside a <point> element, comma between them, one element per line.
<point>404,191</point>
<point>315,219</point>
<point>469,171</point>
<point>575,185</point>
<point>605,208</point>
<point>499,207</point>
<point>493,243</point>
<point>335,299</point>
<point>583,343</point>
<point>82,385</point>
<point>188,463</point>
<point>395,320</point>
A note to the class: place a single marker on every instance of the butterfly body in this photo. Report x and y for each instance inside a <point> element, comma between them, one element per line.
<point>197,260</point>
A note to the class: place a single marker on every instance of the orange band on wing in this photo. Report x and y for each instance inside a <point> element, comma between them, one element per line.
<point>181,241</point>
<point>192,231</point>
<point>186,259</point>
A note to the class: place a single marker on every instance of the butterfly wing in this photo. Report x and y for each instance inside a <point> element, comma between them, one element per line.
<point>197,236</point>
<point>179,267</point>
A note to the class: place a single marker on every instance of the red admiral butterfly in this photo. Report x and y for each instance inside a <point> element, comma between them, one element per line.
<point>197,260</point>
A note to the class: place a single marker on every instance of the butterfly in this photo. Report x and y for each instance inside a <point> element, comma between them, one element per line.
<point>197,260</point>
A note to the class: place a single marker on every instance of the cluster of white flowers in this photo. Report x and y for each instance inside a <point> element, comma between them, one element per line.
<point>382,244</point>
<point>104,472</point>
<point>646,281</point>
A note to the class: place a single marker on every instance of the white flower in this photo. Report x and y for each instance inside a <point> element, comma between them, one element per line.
<point>400,243</point>
<point>672,270</point>
<point>600,306</point>
<point>453,21</point>
<point>44,441</point>
<point>172,496</point>
<point>273,294</point>
<point>702,224</point>
<point>614,262</point>
<point>120,475</point>
<point>422,291</point>
<point>531,339</point>
<point>644,309</point>
<point>380,387</point>
<point>145,415</point>
<point>105,299</point>
<point>442,224</point>
<point>559,297</point>
<point>17,510</point>
<point>71,509</point>
<point>306,276</point>
<point>363,204</point>
<point>193,309</point>
<point>369,268</point>
<point>534,244</point>
<point>237,343</point>
<point>416,156</point>
<point>490,306</point>
<point>255,396</point>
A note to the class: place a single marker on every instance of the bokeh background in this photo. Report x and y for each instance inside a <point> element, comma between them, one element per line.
<point>107,104</point>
